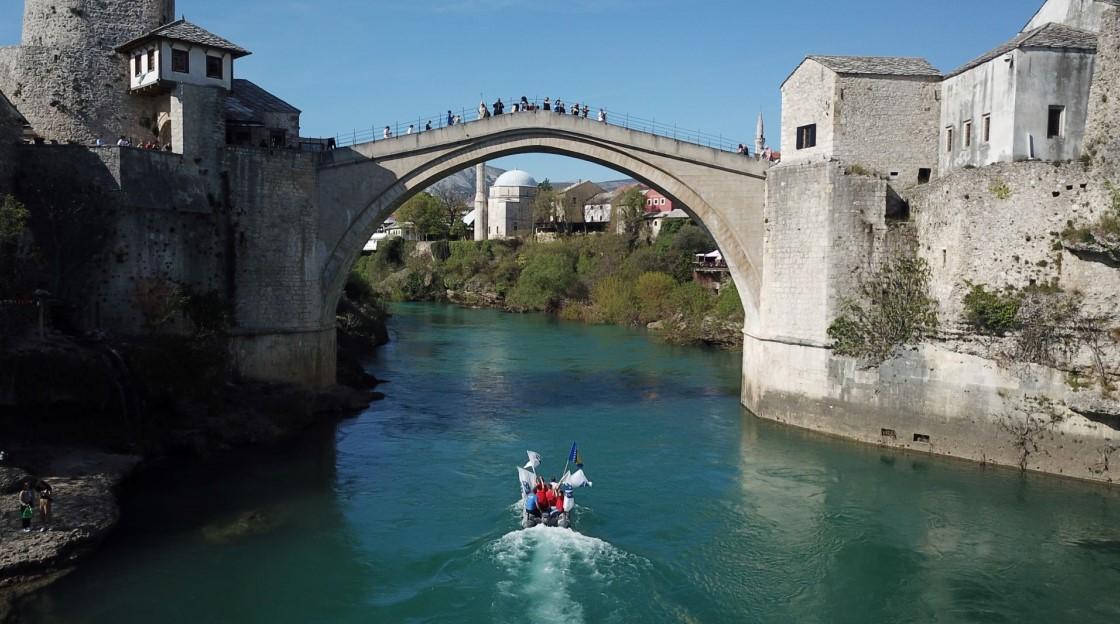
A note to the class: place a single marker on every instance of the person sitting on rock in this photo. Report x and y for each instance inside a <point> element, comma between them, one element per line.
<point>26,505</point>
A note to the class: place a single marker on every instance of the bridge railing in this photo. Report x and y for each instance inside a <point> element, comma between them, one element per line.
<point>376,132</point>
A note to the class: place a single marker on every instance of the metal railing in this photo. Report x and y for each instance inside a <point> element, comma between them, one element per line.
<point>423,123</point>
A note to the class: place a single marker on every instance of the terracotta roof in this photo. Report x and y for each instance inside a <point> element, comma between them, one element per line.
<point>187,32</point>
<point>878,65</point>
<point>1051,36</point>
<point>248,102</point>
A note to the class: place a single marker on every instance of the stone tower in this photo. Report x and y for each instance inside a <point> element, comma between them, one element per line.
<point>66,78</point>
<point>481,222</point>
<point>760,136</point>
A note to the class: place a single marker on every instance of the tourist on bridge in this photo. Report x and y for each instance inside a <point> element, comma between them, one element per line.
<point>602,115</point>
<point>499,108</point>
<point>547,105</point>
<point>575,109</point>
<point>585,111</point>
<point>450,118</point>
<point>386,133</point>
<point>559,106</point>
<point>428,125</point>
<point>516,108</point>
<point>409,131</point>
<point>483,112</point>
<point>742,149</point>
<point>457,120</point>
<point>524,103</point>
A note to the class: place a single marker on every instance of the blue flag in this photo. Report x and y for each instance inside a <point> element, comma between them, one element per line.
<point>573,454</point>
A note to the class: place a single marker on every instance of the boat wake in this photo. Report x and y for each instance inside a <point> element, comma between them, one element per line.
<point>556,575</point>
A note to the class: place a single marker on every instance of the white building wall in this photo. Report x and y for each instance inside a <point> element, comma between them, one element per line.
<point>197,74</point>
<point>510,211</point>
<point>1083,14</point>
<point>808,97</point>
<point>148,74</point>
<point>1046,78</point>
<point>985,90</point>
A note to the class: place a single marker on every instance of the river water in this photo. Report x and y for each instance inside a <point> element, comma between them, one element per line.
<point>699,512</point>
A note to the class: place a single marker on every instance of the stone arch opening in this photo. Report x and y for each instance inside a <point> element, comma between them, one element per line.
<point>427,169</point>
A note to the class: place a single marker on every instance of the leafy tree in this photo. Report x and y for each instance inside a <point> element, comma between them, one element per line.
<point>428,215</point>
<point>654,293</point>
<point>548,275</point>
<point>455,205</point>
<point>631,210</point>
<point>544,206</point>
<point>614,302</point>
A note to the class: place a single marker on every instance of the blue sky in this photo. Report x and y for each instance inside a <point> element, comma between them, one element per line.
<point>710,65</point>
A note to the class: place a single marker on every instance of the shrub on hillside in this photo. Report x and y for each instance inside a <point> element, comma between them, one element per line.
<point>891,307</point>
<point>992,312</point>
<point>653,292</point>
<point>547,277</point>
<point>614,301</point>
<point>729,306</point>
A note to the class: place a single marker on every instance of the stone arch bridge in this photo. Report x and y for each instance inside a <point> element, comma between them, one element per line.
<point>358,187</point>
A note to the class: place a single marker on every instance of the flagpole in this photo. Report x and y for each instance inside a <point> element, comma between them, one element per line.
<point>566,462</point>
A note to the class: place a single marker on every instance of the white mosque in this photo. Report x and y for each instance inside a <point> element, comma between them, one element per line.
<point>508,211</point>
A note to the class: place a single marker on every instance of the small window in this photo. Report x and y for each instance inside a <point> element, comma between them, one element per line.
<point>986,129</point>
<point>1055,124</point>
<point>138,65</point>
<point>151,60</point>
<point>181,61</point>
<point>949,139</point>
<point>214,67</point>
<point>924,175</point>
<point>807,136</point>
<point>966,134</point>
<point>921,437</point>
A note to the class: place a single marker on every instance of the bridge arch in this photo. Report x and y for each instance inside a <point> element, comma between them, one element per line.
<point>362,185</point>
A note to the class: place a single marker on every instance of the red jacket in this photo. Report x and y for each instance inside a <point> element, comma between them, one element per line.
<point>550,496</point>
<point>542,500</point>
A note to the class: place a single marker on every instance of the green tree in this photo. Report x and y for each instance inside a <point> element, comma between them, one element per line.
<point>428,215</point>
<point>631,210</point>
<point>544,206</point>
<point>654,293</point>
<point>548,275</point>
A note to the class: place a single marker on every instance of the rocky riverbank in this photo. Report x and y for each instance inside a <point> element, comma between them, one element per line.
<point>84,415</point>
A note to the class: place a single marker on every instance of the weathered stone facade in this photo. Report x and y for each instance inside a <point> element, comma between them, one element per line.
<point>10,130</point>
<point>886,124</point>
<point>67,79</point>
<point>1102,141</point>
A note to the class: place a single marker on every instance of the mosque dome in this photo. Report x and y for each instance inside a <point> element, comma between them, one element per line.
<point>515,178</point>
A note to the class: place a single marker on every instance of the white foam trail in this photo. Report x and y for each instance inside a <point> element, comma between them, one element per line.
<point>545,566</point>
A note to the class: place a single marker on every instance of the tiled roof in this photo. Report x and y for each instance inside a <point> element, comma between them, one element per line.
<point>1054,36</point>
<point>247,102</point>
<point>878,65</point>
<point>185,31</point>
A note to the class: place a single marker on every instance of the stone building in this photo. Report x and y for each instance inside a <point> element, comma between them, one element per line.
<point>11,127</point>
<point>1025,100</point>
<point>880,113</point>
<point>66,77</point>
<point>510,207</point>
<point>258,118</point>
<point>569,205</point>
<point>598,211</point>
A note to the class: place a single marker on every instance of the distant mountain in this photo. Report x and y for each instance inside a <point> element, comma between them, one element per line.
<point>462,183</point>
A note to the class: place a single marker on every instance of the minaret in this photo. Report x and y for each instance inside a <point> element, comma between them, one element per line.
<point>481,222</point>
<point>760,136</point>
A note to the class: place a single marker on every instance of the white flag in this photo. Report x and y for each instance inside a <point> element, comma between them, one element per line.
<point>526,478</point>
<point>534,460</point>
<point>578,480</point>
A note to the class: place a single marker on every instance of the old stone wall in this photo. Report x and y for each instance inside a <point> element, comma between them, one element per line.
<point>1002,226</point>
<point>123,216</point>
<point>66,77</point>
<point>808,97</point>
<point>279,333</point>
<point>10,130</point>
<point>823,225</point>
<point>1102,142</point>
<point>887,125</point>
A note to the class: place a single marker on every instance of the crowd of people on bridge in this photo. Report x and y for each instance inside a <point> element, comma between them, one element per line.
<point>525,106</point>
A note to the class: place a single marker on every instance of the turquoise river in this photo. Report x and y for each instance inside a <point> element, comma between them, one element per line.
<point>699,512</point>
